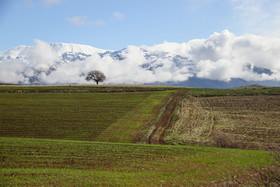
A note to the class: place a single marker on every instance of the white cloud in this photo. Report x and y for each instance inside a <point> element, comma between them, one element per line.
<point>84,21</point>
<point>30,3</point>
<point>36,62</point>
<point>51,2</point>
<point>222,56</point>
<point>258,16</point>
<point>223,70</point>
<point>118,15</point>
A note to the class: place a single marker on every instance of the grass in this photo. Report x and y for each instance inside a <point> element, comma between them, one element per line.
<point>32,162</point>
<point>78,116</point>
<point>128,127</point>
<point>82,88</point>
<point>91,114</point>
<point>193,126</point>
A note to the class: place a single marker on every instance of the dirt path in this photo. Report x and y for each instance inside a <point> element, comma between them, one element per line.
<point>157,135</point>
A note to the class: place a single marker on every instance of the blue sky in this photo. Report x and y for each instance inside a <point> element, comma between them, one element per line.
<point>115,24</point>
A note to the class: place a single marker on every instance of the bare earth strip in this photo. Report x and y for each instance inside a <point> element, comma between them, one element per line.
<point>158,133</point>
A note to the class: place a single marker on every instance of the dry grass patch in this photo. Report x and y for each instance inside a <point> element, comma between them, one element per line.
<point>227,121</point>
<point>252,121</point>
<point>194,125</point>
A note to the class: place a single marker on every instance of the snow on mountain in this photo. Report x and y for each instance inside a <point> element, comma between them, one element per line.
<point>66,51</point>
<point>74,52</point>
<point>14,53</point>
<point>221,58</point>
<point>61,48</point>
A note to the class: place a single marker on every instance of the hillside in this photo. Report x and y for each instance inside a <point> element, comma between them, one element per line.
<point>61,115</point>
<point>147,114</point>
<point>253,86</point>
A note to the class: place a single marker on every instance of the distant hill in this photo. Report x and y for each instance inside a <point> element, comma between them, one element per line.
<point>6,84</point>
<point>253,86</point>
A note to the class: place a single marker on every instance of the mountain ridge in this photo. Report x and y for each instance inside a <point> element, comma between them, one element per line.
<point>219,61</point>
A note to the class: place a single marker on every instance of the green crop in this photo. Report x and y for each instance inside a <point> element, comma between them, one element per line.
<point>79,116</point>
<point>33,162</point>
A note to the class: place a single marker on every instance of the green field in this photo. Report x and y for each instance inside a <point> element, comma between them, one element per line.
<point>56,135</point>
<point>83,88</point>
<point>77,116</point>
<point>33,162</point>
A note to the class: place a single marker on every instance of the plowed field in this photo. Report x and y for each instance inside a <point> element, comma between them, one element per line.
<point>253,121</point>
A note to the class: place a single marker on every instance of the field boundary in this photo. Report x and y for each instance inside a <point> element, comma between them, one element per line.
<point>127,128</point>
<point>83,88</point>
<point>157,134</point>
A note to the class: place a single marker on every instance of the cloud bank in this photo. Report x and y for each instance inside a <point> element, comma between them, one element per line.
<point>223,56</point>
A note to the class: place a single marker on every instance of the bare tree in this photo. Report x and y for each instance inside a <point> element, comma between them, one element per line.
<point>96,76</point>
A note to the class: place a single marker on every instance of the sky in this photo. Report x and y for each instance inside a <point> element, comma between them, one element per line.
<point>217,40</point>
<point>115,24</point>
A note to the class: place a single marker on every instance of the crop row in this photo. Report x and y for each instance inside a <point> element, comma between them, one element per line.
<point>252,121</point>
<point>32,162</point>
<point>82,116</point>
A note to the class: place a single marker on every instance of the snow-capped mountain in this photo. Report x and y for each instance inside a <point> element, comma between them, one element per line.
<point>222,60</point>
<point>66,52</point>
<point>14,53</point>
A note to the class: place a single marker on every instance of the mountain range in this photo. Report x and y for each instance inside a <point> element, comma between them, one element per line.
<point>221,61</point>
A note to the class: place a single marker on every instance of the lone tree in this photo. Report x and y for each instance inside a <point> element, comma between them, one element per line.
<point>96,76</point>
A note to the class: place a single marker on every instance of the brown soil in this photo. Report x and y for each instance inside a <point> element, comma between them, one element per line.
<point>157,135</point>
<point>254,119</point>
